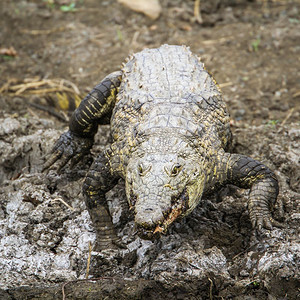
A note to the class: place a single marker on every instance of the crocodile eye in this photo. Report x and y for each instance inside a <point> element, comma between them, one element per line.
<point>175,170</point>
<point>142,170</point>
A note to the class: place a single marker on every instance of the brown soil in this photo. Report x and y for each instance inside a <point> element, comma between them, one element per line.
<point>251,47</point>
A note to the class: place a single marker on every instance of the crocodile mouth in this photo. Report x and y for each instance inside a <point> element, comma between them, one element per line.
<point>178,208</point>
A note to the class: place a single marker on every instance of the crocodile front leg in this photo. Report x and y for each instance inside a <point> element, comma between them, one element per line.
<point>100,180</point>
<point>248,173</point>
<point>96,106</point>
<point>94,109</point>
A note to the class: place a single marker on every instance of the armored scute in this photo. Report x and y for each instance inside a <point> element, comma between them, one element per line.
<point>170,130</point>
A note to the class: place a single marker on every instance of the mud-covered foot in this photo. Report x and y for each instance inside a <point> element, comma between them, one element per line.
<point>104,261</point>
<point>68,147</point>
<point>100,246</point>
<point>261,217</point>
<point>110,243</point>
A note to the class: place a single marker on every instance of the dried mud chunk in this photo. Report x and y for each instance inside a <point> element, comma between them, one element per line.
<point>9,126</point>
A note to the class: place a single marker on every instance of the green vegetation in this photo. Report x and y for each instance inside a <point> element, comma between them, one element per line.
<point>255,44</point>
<point>50,3</point>
<point>119,35</point>
<point>7,57</point>
<point>68,8</point>
<point>272,123</point>
<point>64,8</point>
<point>294,21</point>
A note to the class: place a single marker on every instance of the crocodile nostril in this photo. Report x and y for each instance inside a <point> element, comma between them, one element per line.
<point>149,209</point>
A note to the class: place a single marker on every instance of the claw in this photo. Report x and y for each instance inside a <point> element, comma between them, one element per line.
<point>53,158</point>
<point>268,222</point>
<point>69,146</point>
<point>259,228</point>
<point>260,222</point>
<point>75,160</point>
<point>260,215</point>
<point>276,223</point>
<point>62,163</point>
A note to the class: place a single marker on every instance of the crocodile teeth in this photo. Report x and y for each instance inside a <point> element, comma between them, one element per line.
<point>179,207</point>
<point>176,211</point>
<point>158,229</point>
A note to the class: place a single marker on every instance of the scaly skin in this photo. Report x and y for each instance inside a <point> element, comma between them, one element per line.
<point>170,130</point>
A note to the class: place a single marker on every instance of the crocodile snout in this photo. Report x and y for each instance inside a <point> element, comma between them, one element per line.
<point>148,217</point>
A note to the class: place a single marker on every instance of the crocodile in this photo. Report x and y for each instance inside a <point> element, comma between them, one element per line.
<point>171,134</point>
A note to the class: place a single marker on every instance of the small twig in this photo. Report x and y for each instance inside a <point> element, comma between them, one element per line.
<point>33,113</point>
<point>49,90</point>
<point>197,12</point>
<point>210,289</point>
<point>95,41</point>
<point>220,40</point>
<point>134,38</point>
<point>65,116</point>
<point>32,79</point>
<point>6,85</point>
<point>255,280</point>
<point>221,85</point>
<point>39,31</point>
<point>20,88</point>
<point>243,252</point>
<point>89,261</point>
<point>86,9</point>
<point>73,86</point>
<point>62,201</point>
<point>43,86</point>
<point>288,116</point>
<point>99,35</point>
<point>296,94</point>
<point>49,110</point>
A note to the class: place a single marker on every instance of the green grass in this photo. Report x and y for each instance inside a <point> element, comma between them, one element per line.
<point>7,57</point>
<point>50,3</point>
<point>64,8</point>
<point>294,21</point>
<point>272,123</point>
<point>255,44</point>
<point>68,8</point>
<point>119,35</point>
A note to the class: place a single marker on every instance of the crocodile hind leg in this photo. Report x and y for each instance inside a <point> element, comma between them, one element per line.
<point>99,180</point>
<point>248,173</point>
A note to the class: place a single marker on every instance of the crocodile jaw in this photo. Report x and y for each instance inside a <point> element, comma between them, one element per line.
<point>178,208</point>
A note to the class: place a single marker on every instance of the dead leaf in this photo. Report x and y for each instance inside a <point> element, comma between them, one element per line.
<point>8,51</point>
<point>150,8</point>
<point>186,27</point>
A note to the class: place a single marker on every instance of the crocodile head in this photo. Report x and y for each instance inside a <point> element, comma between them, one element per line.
<point>162,186</point>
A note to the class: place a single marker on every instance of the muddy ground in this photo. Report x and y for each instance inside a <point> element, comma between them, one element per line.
<point>253,50</point>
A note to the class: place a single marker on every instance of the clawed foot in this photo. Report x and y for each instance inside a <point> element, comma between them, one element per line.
<point>115,244</point>
<point>261,218</point>
<point>68,147</point>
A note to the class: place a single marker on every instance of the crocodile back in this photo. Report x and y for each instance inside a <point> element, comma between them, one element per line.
<point>167,92</point>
